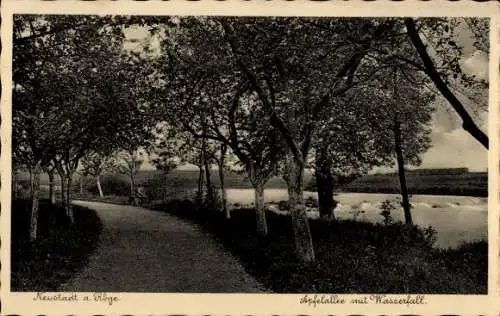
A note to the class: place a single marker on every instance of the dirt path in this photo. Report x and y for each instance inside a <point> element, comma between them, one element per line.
<point>147,251</point>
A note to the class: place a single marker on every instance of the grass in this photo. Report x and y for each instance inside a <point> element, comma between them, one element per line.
<point>352,257</point>
<point>60,251</point>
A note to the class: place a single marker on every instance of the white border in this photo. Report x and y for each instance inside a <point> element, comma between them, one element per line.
<point>254,304</point>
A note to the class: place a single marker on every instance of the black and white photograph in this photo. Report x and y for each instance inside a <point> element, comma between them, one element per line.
<point>249,154</point>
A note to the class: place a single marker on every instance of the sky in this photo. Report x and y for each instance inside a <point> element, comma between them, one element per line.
<point>452,147</point>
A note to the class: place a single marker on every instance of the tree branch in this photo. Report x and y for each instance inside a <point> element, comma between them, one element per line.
<point>275,120</point>
<point>233,132</point>
<point>468,123</point>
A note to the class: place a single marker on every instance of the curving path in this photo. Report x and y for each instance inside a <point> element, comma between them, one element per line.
<point>147,251</point>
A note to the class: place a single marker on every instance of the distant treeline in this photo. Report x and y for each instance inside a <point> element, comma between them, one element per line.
<point>457,181</point>
<point>437,171</point>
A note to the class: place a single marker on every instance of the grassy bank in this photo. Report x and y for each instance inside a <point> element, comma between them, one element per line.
<point>352,257</point>
<point>60,251</point>
<point>437,182</point>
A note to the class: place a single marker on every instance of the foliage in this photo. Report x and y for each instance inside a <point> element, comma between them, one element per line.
<point>102,110</point>
<point>113,185</point>
<point>94,164</point>
<point>204,102</point>
<point>386,208</point>
<point>268,88</point>
<point>129,161</point>
<point>74,91</point>
<point>430,235</point>
<point>164,149</point>
<point>213,202</point>
<point>396,102</point>
<point>444,68</point>
<point>22,188</point>
<point>163,187</point>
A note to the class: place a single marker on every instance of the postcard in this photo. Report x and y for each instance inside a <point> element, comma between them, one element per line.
<point>246,157</point>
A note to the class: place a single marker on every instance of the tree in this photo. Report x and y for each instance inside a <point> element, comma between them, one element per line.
<point>215,109</point>
<point>36,124</point>
<point>292,71</point>
<point>402,112</point>
<point>258,148</point>
<point>73,92</point>
<point>94,164</point>
<point>344,149</point>
<point>291,85</point>
<point>430,69</point>
<point>221,165</point>
<point>129,161</point>
<point>295,70</point>
<point>439,57</point>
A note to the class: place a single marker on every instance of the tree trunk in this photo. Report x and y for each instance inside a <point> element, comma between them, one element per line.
<point>325,184</point>
<point>301,231</point>
<point>52,196</point>
<point>468,123</point>
<point>210,193</point>
<point>99,187</point>
<point>132,185</point>
<point>223,192</point>
<point>30,171</point>
<point>13,184</point>
<point>69,207</point>
<point>63,190</point>
<point>201,178</point>
<point>81,185</point>
<point>165,186</point>
<point>35,198</point>
<point>260,211</point>
<point>402,176</point>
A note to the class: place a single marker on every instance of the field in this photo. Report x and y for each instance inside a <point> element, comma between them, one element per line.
<point>436,182</point>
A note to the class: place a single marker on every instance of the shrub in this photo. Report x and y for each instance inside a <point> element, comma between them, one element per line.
<point>311,202</point>
<point>88,183</point>
<point>387,208</point>
<point>21,188</point>
<point>214,202</point>
<point>112,185</point>
<point>283,205</point>
<point>430,235</point>
<point>162,187</point>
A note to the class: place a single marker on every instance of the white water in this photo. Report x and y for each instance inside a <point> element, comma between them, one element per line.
<point>455,218</point>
